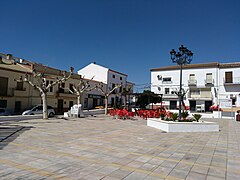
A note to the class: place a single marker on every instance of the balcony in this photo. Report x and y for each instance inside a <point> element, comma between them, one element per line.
<point>20,92</point>
<point>169,95</point>
<point>231,81</point>
<point>203,96</point>
<point>192,82</point>
<point>64,93</point>
<point>167,82</point>
<point>209,81</point>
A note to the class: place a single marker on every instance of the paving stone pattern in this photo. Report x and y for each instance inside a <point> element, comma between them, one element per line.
<point>105,148</point>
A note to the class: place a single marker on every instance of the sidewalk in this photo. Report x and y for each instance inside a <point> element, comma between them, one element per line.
<point>104,148</point>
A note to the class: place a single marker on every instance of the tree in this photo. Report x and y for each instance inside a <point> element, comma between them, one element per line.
<point>42,86</point>
<point>126,91</point>
<point>80,88</point>
<point>146,98</point>
<point>106,93</point>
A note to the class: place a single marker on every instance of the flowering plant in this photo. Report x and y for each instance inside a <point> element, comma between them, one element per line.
<point>215,108</point>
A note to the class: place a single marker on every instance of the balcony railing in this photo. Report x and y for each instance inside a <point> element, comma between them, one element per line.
<point>229,81</point>
<point>192,82</point>
<point>201,96</point>
<point>209,81</point>
<point>167,82</point>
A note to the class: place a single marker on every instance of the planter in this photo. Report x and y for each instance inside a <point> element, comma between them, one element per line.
<point>217,114</point>
<point>170,126</point>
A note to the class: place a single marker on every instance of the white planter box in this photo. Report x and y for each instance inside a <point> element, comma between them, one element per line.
<point>170,126</point>
<point>217,114</point>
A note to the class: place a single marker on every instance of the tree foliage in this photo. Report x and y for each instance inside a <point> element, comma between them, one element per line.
<point>147,97</point>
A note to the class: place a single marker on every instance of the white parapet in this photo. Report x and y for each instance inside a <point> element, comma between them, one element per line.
<point>171,126</point>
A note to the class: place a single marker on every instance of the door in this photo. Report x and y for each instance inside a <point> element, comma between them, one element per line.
<point>207,105</point>
<point>70,104</point>
<point>17,108</point>
<point>192,105</point>
<point>94,102</point>
<point>60,106</point>
<point>173,104</point>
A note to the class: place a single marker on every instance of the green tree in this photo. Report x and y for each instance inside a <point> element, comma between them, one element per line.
<point>147,97</point>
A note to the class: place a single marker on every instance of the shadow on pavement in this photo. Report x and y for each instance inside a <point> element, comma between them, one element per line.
<point>9,133</point>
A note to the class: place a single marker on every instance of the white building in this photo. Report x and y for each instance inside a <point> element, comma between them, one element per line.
<point>205,84</point>
<point>107,76</point>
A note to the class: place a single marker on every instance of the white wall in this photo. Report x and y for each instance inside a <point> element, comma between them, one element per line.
<point>93,70</point>
<point>226,90</point>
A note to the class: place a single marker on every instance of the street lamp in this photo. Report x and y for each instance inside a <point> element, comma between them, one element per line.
<point>184,56</point>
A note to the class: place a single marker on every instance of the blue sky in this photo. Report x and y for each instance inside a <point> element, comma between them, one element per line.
<point>130,36</point>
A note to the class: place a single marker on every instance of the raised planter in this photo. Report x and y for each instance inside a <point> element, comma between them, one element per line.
<point>217,114</point>
<point>170,126</point>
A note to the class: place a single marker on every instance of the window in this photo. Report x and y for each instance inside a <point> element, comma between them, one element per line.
<point>51,88</point>
<point>113,76</point>
<point>120,78</point>
<point>71,88</point>
<point>228,77</point>
<point>120,89</point>
<point>19,86</point>
<point>166,90</point>
<point>113,86</point>
<point>167,80</point>
<point>4,86</point>
<point>3,103</point>
<point>85,102</point>
<point>61,89</point>
<point>192,77</point>
<point>209,78</point>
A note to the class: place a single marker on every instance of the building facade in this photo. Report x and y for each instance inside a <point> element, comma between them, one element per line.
<point>18,96</point>
<point>204,84</point>
<point>109,77</point>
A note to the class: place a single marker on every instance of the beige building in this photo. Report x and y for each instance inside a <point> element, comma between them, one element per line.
<point>17,96</point>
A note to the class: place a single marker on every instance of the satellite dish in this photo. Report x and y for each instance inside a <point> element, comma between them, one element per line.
<point>159,77</point>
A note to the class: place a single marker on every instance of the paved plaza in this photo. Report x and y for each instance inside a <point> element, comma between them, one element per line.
<point>105,148</point>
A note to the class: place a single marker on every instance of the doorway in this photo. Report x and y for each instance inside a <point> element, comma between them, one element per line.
<point>60,106</point>
<point>17,107</point>
<point>192,105</point>
<point>173,104</point>
<point>207,105</point>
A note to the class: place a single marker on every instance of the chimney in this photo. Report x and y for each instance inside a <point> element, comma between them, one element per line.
<point>9,56</point>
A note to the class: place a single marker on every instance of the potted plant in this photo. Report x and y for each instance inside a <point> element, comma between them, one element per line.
<point>185,114</point>
<point>197,117</point>
<point>174,116</point>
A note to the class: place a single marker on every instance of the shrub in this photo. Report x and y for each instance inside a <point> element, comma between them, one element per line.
<point>197,116</point>
<point>174,116</point>
<point>215,108</point>
<point>185,114</point>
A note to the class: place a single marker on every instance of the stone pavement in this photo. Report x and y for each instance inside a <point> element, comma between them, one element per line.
<point>105,148</point>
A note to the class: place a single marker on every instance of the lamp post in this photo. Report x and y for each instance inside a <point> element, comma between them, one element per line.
<point>184,56</point>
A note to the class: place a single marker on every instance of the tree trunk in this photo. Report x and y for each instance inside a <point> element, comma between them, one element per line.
<point>79,99</point>
<point>106,105</point>
<point>44,100</point>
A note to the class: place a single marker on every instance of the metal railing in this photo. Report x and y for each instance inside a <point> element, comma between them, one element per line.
<point>192,82</point>
<point>234,80</point>
<point>209,81</point>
